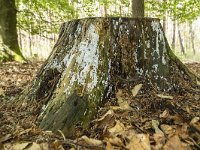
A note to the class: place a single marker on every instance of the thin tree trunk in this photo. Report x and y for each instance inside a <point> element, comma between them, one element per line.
<point>192,39</point>
<point>181,42</point>
<point>30,43</point>
<point>105,10</point>
<point>174,35</point>
<point>164,19</point>
<point>138,8</point>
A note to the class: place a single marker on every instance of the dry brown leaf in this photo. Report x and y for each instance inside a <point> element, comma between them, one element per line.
<point>174,143</point>
<point>177,119</point>
<point>107,119</point>
<point>21,146</point>
<point>123,104</point>
<point>89,141</point>
<point>187,108</point>
<point>45,146</point>
<point>167,129</point>
<point>56,144</point>
<point>160,139</point>
<point>116,141</point>
<point>195,122</point>
<point>165,114</point>
<point>139,142</point>
<point>7,146</point>
<point>5,138</point>
<point>136,89</point>
<point>164,96</point>
<point>109,146</point>
<point>119,127</point>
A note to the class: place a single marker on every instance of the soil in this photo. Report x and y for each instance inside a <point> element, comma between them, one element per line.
<point>134,118</point>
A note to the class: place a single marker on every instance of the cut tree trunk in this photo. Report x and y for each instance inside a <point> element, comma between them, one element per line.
<point>93,57</point>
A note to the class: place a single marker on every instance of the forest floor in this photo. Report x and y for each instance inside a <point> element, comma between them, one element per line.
<point>147,121</point>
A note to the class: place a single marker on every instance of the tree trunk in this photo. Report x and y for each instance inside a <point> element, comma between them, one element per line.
<point>94,56</point>
<point>138,8</point>
<point>9,48</point>
<point>181,41</point>
<point>164,17</point>
<point>192,38</point>
<point>174,35</point>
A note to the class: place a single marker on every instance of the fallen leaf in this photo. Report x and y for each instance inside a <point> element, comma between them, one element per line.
<point>45,146</point>
<point>136,89</point>
<point>164,96</point>
<point>187,108</point>
<point>5,138</point>
<point>123,104</point>
<point>107,118</point>
<point>174,143</point>
<point>167,129</point>
<point>116,141</point>
<point>20,146</point>
<point>182,131</point>
<point>109,146</point>
<point>119,127</point>
<point>195,122</point>
<point>89,141</point>
<point>139,142</point>
<point>165,114</point>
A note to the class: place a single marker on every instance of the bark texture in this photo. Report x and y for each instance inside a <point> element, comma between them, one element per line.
<point>138,8</point>
<point>91,58</point>
<point>9,48</point>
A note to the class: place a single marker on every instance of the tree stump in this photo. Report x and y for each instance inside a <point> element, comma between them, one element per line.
<point>91,58</point>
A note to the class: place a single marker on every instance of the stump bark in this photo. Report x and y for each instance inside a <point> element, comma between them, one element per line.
<point>93,57</point>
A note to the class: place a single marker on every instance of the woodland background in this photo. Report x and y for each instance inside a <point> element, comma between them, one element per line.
<point>38,22</point>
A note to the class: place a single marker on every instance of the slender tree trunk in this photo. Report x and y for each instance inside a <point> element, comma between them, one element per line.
<point>174,35</point>
<point>138,8</point>
<point>192,38</point>
<point>181,42</point>
<point>105,10</point>
<point>164,18</point>
<point>95,56</point>
<point>8,32</point>
<point>30,43</point>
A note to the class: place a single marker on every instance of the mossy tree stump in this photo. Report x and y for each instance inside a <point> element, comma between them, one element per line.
<point>92,56</point>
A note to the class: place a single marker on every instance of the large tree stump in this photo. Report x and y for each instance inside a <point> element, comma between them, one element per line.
<point>94,55</point>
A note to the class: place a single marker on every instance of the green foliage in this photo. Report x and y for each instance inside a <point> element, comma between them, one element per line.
<point>37,16</point>
<point>181,10</point>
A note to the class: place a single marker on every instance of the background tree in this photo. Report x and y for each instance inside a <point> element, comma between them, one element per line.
<point>9,48</point>
<point>138,8</point>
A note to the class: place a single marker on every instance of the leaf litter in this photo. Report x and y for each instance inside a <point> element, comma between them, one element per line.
<point>139,119</point>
